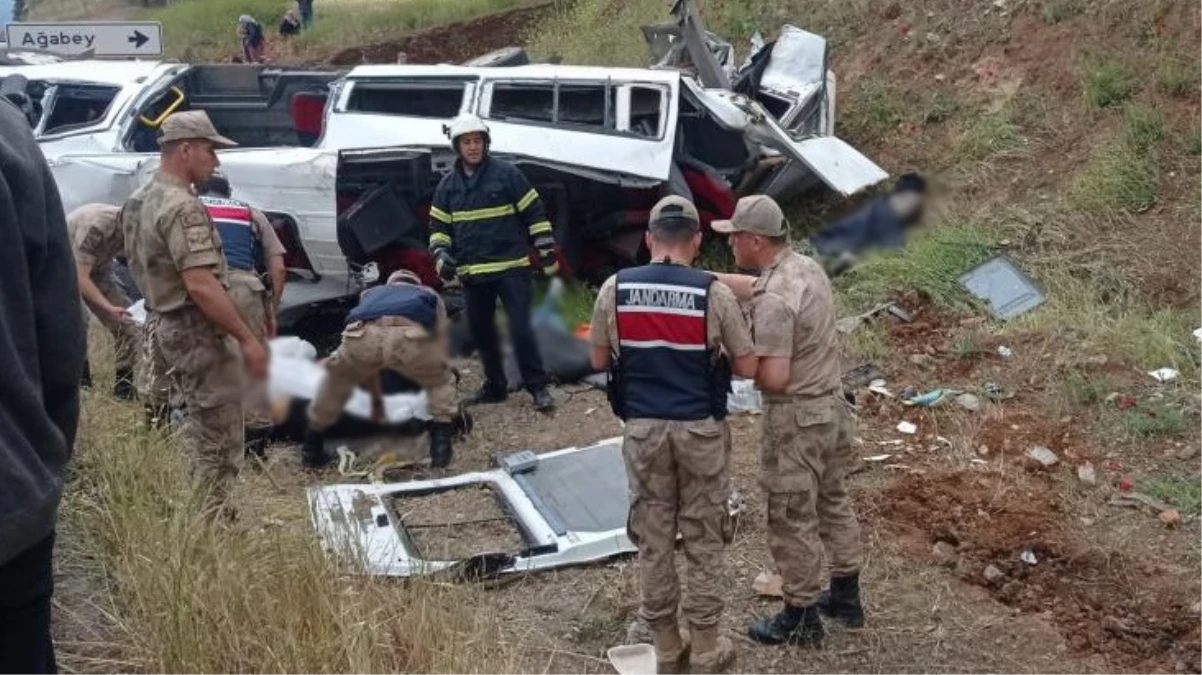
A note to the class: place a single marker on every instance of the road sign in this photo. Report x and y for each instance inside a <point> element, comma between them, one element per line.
<point>101,38</point>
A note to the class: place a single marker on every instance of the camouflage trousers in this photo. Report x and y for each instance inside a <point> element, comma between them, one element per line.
<point>125,336</point>
<point>804,457</point>
<point>393,343</point>
<point>253,303</point>
<point>204,365</point>
<point>679,483</point>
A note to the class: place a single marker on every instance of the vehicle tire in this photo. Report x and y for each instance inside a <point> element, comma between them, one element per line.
<point>506,56</point>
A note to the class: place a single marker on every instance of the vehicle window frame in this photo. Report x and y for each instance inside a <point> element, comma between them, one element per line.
<point>465,83</point>
<point>51,97</point>
<point>614,115</point>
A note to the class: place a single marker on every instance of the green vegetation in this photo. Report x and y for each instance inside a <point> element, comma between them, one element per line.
<point>1145,127</point>
<point>1178,77</point>
<point>932,263</point>
<point>163,590</point>
<point>596,32</point>
<point>204,29</point>
<point>990,135</point>
<point>969,344</point>
<point>1152,421</point>
<point>1107,84</point>
<point>1055,11</point>
<point>1183,493</point>
<point>1119,178</point>
<point>1193,142</point>
<point>1088,391</point>
<point>873,112</point>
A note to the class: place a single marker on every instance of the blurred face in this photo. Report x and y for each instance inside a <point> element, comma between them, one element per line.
<point>199,159</point>
<point>744,247</point>
<point>471,148</point>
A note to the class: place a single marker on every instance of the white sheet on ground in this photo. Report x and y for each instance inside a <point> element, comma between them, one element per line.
<point>294,373</point>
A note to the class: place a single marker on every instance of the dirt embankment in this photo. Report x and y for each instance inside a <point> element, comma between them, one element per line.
<point>452,43</point>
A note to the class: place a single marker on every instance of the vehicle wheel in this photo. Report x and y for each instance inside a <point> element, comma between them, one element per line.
<point>506,56</point>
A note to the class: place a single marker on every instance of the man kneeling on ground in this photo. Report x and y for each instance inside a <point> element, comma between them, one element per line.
<point>401,326</point>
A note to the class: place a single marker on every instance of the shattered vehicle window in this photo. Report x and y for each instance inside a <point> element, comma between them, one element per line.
<point>76,106</point>
<point>530,102</point>
<point>585,105</point>
<point>408,99</point>
<point>645,106</point>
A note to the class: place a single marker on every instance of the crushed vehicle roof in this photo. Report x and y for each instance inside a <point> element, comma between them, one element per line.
<point>118,73</point>
<point>540,71</point>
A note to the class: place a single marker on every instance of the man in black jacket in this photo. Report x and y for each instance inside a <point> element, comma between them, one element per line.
<point>484,219</point>
<point>41,357</point>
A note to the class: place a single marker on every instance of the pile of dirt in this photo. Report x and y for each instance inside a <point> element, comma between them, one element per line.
<point>458,523</point>
<point>453,43</point>
<point>1011,538</point>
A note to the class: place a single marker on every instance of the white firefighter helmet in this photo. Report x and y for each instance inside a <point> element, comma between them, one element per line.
<point>467,123</point>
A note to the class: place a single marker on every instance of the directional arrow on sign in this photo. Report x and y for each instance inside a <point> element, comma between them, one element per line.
<point>138,39</point>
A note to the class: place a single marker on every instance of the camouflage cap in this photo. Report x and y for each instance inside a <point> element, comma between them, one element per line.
<point>674,213</point>
<point>757,214</point>
<point>191,124</point>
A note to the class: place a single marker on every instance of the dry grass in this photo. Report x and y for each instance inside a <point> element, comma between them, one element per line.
<point>154,587</point>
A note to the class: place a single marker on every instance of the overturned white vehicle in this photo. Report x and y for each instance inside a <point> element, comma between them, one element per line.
<point>600,144</point>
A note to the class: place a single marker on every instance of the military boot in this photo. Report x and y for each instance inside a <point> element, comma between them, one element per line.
<point>313,451</point>
<point>255,442</point>
<point>711,653</point>
<point>123,388</point>
<point>440,444</point>
<point>671,650</point>
<point>795,625</point>
<point>543,402</point>
<point>842,601</point>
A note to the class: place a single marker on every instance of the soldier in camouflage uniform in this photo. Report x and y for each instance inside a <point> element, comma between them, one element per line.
<point>253,253</point>
<point>401,326</point>
<point>97,240</point>
<point>663,325</point>
<point>198,339</point>
<point>807,425</point>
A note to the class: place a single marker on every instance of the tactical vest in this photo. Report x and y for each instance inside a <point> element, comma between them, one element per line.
<point>665,369</point>
<point>404,300</point>
<point>236,227</point>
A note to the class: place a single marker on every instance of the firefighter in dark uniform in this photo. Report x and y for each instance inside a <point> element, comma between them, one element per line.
<point>670,336</point>
<point>484,219</point>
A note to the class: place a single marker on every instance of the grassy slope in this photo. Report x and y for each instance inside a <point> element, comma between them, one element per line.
<point>204,30</point>
<point>917,93</point>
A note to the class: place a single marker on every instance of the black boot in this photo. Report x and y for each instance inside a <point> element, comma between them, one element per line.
<point>795,625</point>
<point>255,442</point>
<point>488,393</point>
<point>123,388</point>
<point>543,402</point>
<point>440,444</point>
<point>313,451</point>
<point>842,601</point>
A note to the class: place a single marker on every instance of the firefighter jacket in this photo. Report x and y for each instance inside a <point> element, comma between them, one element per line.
<point>488,221</point>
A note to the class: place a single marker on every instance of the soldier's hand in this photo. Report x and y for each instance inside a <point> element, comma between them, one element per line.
<point>445,265</point>
<point>118,314</point>
<point>272,327</point>
<point>255,358</point>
